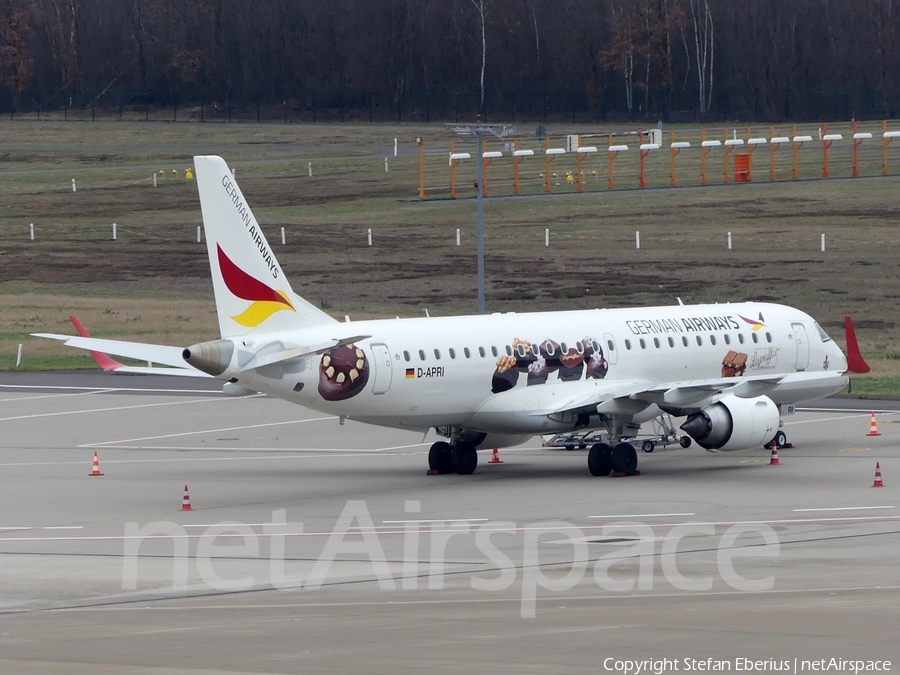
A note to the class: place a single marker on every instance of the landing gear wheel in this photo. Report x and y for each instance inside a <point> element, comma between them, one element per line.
<point>600,459</point>
<point>624,459</point>
<point>648,446</point>
<point>464,458</point>
<point>439,458</point>
<point>780,439</point>
<point>685,441</point>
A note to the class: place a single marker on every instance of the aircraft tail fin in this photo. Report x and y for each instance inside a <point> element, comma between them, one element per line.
<point>855,361</point>
<point>252,292</point>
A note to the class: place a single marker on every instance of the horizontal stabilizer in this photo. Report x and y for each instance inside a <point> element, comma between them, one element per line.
<point>170,356</point>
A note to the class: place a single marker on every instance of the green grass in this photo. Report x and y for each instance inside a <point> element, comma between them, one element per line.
<point>153,283</point>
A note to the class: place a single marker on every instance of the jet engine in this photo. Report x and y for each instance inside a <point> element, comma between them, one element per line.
<point>733,423</point>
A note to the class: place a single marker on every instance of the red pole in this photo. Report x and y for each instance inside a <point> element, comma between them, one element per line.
<point>855,146</point>
<point>825,146</point>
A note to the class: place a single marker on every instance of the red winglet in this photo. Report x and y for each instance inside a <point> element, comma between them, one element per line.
<point>855,361</point>
<point>105,361</point>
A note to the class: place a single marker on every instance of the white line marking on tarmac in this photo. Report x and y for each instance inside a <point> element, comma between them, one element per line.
<point>305,453</point>
<point>436,520</point>
<point>647,515</point>
<point>99,410</point>
<point>34,398</point>
<point>204,431</point>
<point>111,389</point>
<point>488,527</point>
<point>845,508</point>
<point>848,410</point>
<point>819,420</point>
<point>41,527</point>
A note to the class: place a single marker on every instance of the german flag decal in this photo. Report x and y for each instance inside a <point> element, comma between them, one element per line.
<point>410,373</point>
<point>266,301</point>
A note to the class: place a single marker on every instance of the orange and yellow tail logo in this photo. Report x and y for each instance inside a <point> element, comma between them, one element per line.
<point>265,300</point>
<point>757,325</point>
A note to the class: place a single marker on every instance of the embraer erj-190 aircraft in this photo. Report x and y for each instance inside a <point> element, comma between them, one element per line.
<point>495,380</point>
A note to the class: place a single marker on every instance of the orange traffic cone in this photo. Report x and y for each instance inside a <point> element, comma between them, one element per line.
<point>495,458</point>
<point>774,461</point>
<point>877,482</point>
<point>186,501</point>
<point>873,428</point>
<point>96,470</point>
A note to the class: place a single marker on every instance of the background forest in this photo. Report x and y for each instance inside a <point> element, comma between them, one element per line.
<point>437,59</point>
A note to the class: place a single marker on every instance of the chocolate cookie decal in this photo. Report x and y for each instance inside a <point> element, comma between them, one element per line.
<point>734,364</point>
<point>343,373</point>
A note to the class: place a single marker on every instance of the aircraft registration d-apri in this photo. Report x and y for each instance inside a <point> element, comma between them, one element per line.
<point>487,381</point>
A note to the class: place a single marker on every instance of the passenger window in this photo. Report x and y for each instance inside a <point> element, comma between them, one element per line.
<point>579,347</point>
<point>437,355</point>
<point>712,340</point>
<point>610,345</point>
<point>535,349</point>
<point>671,342</point>
<point>684,341</point>
<point>563,348</point>
<point>494,351</point>
<point>768,337</point>
<point>452,353</point>
<point>595,345</point>
<point>521,351</point>
<point>421,355</point>
<point>755,338</point>
<point>481,351</point>
<point>727,339</point>
<point>467,352</point>
<point>656,342</point>
<point>508,350</point>
<point>628,345</point>
<point>699,341</point>
<point>643,344</point>
<point>406,355</point>
<point>741,338</point>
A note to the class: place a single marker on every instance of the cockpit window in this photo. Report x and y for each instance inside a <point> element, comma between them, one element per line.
<point>823,334</point>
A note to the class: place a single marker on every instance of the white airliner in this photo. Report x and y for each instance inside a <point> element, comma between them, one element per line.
<point>495,380</point>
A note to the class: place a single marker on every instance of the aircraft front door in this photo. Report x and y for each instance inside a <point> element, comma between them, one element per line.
<point>381,357</point>
<point>802,345</point>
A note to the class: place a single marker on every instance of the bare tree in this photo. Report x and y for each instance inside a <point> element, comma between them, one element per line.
<point>702,21</point>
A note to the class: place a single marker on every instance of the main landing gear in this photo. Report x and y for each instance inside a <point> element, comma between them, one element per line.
<point>461,458</point>
<point>779,441</point>
<point>620,458</point>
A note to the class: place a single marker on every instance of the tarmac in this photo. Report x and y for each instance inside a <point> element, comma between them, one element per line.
<point>527,566</point>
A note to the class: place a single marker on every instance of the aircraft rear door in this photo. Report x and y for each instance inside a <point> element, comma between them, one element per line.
<point>381,357</point>
<point>802,345</point>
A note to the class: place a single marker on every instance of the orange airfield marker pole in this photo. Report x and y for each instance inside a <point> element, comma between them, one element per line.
<point>825,145</point>
<point>772,148</point>
<point>673,151</point>
<point>516,160</point>
<point>549,159</point>
<point>750,148</point>
<point>856,143</point>
<point>704,151</point>
<point>421,141</point>
<point>727,152</point>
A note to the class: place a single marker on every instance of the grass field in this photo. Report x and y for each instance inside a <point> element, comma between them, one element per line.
<point>152,284</point>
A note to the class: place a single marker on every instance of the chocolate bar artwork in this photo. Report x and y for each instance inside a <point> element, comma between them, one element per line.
<point>540,361</point>
<point>343,373</point>
<point>734,364</point>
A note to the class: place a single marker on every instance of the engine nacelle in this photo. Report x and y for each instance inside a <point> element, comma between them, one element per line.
<point>734,423</point>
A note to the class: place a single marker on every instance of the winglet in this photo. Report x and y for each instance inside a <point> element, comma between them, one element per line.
<point>105,361</point>
<point>855,361</point>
